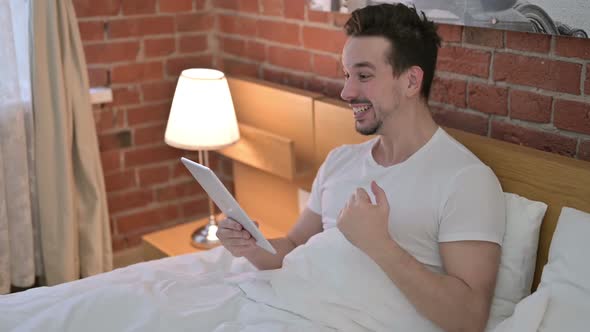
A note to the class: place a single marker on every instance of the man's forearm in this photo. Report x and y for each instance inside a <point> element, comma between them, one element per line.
<point>264,260</point>
<point>445,300</point>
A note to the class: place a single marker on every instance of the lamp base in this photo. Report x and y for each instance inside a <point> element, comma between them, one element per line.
<point>205,236</point>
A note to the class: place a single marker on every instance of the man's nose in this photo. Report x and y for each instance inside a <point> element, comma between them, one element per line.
<point>349,91</point>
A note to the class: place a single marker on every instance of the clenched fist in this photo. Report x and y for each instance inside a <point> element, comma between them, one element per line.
<point>363,223</point>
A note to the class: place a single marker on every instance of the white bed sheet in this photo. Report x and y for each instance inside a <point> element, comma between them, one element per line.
<point>183,293</point>
<point>325,285</point>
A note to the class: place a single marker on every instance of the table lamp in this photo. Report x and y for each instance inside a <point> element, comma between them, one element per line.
<point>202,118</point>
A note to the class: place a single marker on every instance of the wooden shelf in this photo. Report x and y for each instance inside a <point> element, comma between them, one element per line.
<point>266,151</point>
<point>276,125</point>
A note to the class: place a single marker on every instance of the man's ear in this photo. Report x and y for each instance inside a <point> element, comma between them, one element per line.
<point>414,76</point>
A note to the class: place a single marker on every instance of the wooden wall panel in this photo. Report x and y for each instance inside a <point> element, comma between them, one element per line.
<point>267,198</point>
<point>264,150</point>
<point>283,111</point>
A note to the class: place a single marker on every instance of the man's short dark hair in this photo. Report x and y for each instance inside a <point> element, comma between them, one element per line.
<point>414,40</point>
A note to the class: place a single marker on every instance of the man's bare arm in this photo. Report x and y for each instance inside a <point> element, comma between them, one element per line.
<point>457,301</point>
<point>240,243</point>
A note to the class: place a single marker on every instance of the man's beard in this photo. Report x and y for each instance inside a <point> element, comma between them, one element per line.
<point>370,130</point>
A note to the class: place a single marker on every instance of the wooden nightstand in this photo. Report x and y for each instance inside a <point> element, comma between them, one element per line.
<point>176,240</point>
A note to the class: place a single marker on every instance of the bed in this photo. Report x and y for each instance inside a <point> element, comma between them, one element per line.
<point>286,134</point>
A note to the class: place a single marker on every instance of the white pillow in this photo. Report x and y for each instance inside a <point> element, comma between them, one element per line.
<point>519,254</point>
<point>567,274</point>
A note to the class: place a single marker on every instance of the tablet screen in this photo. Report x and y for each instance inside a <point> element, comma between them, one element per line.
<point>225,201</point>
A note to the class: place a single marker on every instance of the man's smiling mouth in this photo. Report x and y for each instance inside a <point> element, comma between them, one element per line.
<point>360,109</point>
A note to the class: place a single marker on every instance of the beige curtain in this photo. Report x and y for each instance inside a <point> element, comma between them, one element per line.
<point>17,250</point>
<point>73,216</point>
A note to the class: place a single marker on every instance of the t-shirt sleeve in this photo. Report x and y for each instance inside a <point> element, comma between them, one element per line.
<point>474,209</point>
<point>314,203</point>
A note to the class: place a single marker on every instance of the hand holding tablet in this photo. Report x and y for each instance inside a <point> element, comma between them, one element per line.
<point>225,201</point>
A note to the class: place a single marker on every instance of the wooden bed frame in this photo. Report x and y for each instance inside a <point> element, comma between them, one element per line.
<point>287,133</point>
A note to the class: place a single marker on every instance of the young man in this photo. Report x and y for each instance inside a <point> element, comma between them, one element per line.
<point>436,220</point>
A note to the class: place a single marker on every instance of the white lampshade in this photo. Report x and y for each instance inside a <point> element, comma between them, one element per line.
<point>202,116</point>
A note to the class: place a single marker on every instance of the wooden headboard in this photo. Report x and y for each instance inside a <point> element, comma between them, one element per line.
<point>312,125</point>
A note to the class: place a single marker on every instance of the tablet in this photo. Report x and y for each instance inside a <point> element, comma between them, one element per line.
<point>225,201</point>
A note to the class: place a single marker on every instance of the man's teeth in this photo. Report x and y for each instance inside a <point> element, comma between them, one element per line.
<point>358,110</point>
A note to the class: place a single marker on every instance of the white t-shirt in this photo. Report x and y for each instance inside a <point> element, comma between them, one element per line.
<point>442,193</point>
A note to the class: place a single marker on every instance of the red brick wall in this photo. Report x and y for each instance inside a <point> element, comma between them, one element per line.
<point>529,89</point>
<point>138,48</point>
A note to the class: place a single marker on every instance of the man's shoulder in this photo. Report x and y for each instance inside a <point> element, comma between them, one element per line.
<point>454,153</point>
<point>461,164</point>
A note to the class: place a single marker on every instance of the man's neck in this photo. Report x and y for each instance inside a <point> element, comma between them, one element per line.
<point>403,134</point>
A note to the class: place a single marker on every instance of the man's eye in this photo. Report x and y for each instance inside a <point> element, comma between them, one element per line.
<point>346,76</point>
<point>364,77</point>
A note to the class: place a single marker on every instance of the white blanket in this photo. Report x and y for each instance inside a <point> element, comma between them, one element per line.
<point>184,293</point>
<point>330,281</point>
<point>325,285</point>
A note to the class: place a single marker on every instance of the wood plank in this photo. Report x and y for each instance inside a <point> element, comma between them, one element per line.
<point>272,199</point>
<point>284,111</point>
<point>264,150</point>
